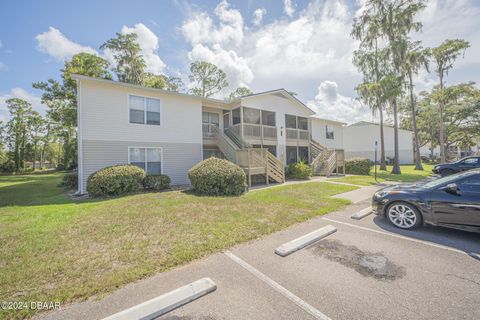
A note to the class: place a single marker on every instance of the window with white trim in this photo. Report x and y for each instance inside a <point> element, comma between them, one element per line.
<point>149,159</point>
<point>329,132</point>
<point>144,110</point>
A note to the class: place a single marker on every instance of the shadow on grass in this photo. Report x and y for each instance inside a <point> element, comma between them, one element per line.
<point>34,190</point>
<point>193,192</point>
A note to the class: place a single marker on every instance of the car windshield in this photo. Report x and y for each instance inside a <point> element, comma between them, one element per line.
<point>446,180</point>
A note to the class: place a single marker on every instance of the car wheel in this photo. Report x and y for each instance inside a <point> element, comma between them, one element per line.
<point>447,172</point>
<point>404,215</point>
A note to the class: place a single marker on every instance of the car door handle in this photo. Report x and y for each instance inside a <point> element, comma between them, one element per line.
<point>458,205</point>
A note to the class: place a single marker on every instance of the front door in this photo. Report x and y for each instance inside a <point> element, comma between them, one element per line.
<point>458,209</point>
<point>226,120</point>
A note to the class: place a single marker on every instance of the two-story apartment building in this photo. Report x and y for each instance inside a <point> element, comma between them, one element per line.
<point>168,132</point>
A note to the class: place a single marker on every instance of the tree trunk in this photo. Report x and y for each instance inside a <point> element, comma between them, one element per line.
<point>442,125</point>
<point>383,164</point>
<point>416,151</point>
<point>396,166</point>
<point>34,155</point>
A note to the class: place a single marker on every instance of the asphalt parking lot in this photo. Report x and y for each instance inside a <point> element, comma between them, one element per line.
<point>366,270</point>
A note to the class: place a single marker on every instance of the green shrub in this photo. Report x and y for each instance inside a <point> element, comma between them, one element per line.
<point>215,176</point>
<point>156,182</point>
<point>70,180</point>
<point>360,166</point>
<point>115,180</point>
<point>299,170</point>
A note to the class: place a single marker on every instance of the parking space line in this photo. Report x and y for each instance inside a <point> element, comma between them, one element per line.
<point>277,287</point>
<point>398,236</point>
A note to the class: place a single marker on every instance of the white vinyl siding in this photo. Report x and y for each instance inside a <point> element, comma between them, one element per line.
<point>144,110</point>
<point>149,159</point>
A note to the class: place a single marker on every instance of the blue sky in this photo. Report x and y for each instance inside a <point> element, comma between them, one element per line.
<point>303,46</point>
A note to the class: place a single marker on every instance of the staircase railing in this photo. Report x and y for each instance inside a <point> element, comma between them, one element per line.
<point>226,146</point>
<point>257,160</point>
<point>235,137</point>
<point>275,168</point>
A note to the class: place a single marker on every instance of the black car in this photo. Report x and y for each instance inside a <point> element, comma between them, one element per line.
<point>452,201</point>
<point>464,164</point>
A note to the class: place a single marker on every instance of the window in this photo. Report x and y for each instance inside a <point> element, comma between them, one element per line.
<point>302,123</point>
<point>472,180</point>
<point>272,149</point>
<point>153,111</point>
<point>291,155</point>
<point>471,184</point>
<point>236,116</point>
<point>149,159</point>
<point>137,109</point>
<point>303,154</point>
<point>251,115</point>
<point>329,132</point>
<point>212,152</point>
<point>268,118</point>
<point>144,110</point>
<point>211,118</point>
<point>470,161</point>
<point>290,121</point>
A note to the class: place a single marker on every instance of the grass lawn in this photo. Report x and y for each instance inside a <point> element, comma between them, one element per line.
<point>55,249</point>
<point>409,174</point>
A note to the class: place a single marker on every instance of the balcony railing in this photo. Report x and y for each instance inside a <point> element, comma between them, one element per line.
<point>298,134</point>
<point>256,131</point>
<point>209,130</point>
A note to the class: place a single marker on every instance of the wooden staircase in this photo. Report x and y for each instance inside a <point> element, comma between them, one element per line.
<point>325,161</point>
<point>254,161</point>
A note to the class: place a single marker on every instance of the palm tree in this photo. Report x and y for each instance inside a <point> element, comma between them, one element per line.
<point>444,56</point>
<point>366,29</point>
<point>396,19</point>
<point>415,58</point>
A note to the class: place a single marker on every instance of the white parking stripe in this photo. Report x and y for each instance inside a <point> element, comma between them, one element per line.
<point>287,294</point>
<point>398,236</point>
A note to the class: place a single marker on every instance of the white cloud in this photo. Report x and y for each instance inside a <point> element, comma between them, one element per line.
<point>55,44</point>
<point>315,44</point>
<point>148,41</point>
<point>200,28</point>
<point>288,7</point>
<point>219,43</point>
<point>22,94</point>
<point>258,16</point>
<point>236,68</point>
<point>453,19</point>
<point>330,104</point>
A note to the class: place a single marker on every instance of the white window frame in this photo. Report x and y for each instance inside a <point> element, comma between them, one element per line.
<point>146,162</point>
<point>144,109</point>
<point>332,131</point>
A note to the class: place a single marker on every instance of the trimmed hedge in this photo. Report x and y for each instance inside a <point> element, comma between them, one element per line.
<point>156,182</point>
<point>70,180</point>
<point>360,166</point>
<point>299,170</point>
<point>217,177</point>
<point>115,180</point>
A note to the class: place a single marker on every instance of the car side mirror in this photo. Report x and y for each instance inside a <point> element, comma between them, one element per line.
<point>452,188</point>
